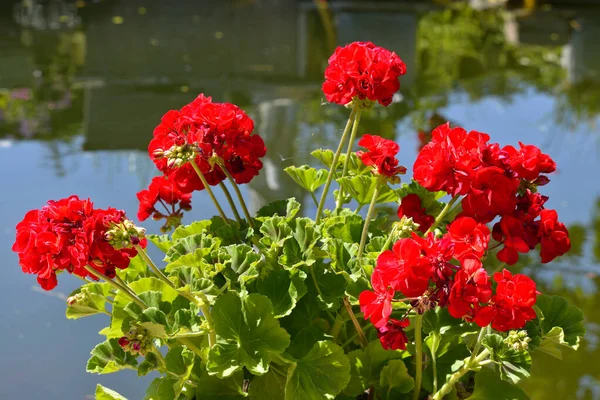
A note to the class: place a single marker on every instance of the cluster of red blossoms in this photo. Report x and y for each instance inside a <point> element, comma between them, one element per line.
<point>67,235</point>
<point>214,136</point>
<point>495,182</point>
<point>362,70</point>
<point>447,271</point>
<point>162,191</point>
<point>381,155</point>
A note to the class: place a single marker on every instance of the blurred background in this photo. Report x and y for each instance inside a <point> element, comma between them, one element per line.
<point>83,83</point>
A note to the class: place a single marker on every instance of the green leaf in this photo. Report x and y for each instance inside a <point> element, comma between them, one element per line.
<point>321,374</point>
<point>190,244</point>
<point>304,325</point>
<point>163,242</point>
<point>340,253</point>
<point>367,364</point>
<point>513,365</point>
<point>395,379</point>
<point>325,156</point>
<point>104,393</point>
<point>241,262</point>
<point>560,325</point>
<point>276,231</point>
<point>331,286</point>
<point>347,228</point>
<point>192,229</point>
<point>283,208</point>
<point>213,388</point>
<point>268,386</point>
<point>284,289</point>
<point>248,335</point>
<point>165,388</point>
<point>308,178</point>
<point>362,187</point>
<point>488,386</point>
<point>150,363</point>
<point>89,299</point>
<point>179,360</point>
<point>108,357</point>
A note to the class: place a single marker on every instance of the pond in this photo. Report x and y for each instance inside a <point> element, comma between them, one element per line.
<point>83,83</point>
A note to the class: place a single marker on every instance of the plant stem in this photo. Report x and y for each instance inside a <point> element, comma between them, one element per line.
<point>477,344</point>
<point>388,242</point>
<point>212,336</point>
<point>238,193</point>
<point>117,286</point>
<point>312,194</point>
<point>153,266</point>
<point>348,154</point>
<point>447,388</point>
<point>230,200</point>
<point>361,335</point>
<point>160,357</point>
<point>337,326</point>
<point>189,334</point>
<point>442,214</point>
<point>334,163</point>
<point>434,366</point>
<point>190,345</point>
<point>314,279</point>
<point>209,190</point>
<point>365,232</point>
<point>418,355</point>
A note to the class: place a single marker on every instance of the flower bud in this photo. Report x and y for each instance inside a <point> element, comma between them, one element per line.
<point>518,340</point>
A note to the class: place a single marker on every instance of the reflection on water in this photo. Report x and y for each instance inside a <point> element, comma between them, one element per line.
<point>83,83</point>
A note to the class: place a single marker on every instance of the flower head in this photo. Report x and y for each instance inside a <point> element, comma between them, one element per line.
<point>364,71</point>
<point>381,155</point>
<point>392,335</point>
<point>410,207</point>
<point>164,192</point>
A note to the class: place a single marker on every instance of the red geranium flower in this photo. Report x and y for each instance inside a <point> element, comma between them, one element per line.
<point>381,155</point>
<point>469,237</point>
<point>403,268</point>
<point>554,236</point>
<point>392,335</point>
<point>67,235</point>
<point>491,193</point>
<point>163,191</point>
<point>512,304</point>
<point>410,207</point>
<point>511,232</point>
<point>363,70</point>
<point>210,134</point>
<point>377,305</point>
<point>448,160</point>
<point>471,291</point>
<point>529,162</point>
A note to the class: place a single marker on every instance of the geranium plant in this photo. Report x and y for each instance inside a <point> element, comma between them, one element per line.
<point>282,306</point>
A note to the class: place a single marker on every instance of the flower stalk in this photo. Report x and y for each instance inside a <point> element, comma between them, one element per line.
<point>238,193</point>
<point>442,214</point>
<point>117,286</point>
<point>209,190</point>
<point>454,378</point>
<point>365,232</point>
<point>340,198</point>
<point>334,163</point>
<point>361,334</point>
<point>212,335</point>
<point>230,200</point>
<point>418,355</point>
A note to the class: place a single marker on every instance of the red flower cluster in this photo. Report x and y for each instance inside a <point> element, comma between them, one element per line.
<point>362,70</point>
<point>66,235</point>
<point>410,207</point>
<point>206,133</point>
<point>163,191</point>
<point>381,155</point>
<point>495,182</point>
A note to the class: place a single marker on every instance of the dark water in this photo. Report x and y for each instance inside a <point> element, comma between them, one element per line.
<point>82,84</point>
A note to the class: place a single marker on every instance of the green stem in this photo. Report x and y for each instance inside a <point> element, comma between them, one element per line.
<point>334,163</point>
<point>230,200</point>
<point>337,327</point>
<point>388,242</point>
<point>348,155</point>
<point>190,345</point>
<point>236,188</point>
<point>212,336</point>
<point>361,335</point>
<point>209,190</point>
<point>365,232</point>
<point>314,279</point>
<point>312,194</point>
<point>442,214</point>
<point>418,355</point>
<point>347,342</point>
<point>160,357</point>
<point>189,335</point>
<point>449,385</point>
<point>117,286</point>
<point>153,266</point>
<point>477,344</point>
<point>434,366</point>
